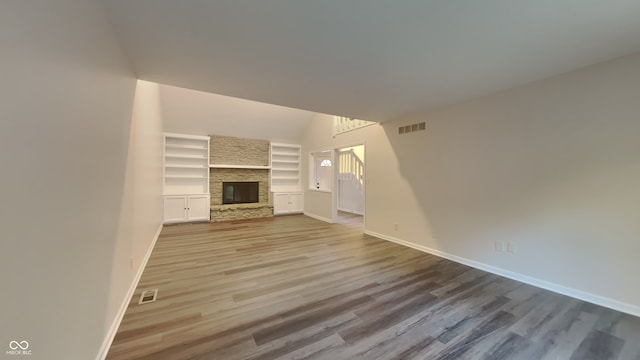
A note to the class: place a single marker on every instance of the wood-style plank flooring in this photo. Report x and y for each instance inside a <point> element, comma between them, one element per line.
<point>293,287</point>
<point>350,220</point>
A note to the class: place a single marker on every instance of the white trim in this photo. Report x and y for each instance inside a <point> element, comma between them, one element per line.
<point>321,190</point>
<point>108,339</point>
<point>351,211</point>
<point>557,288</point>
<point>187,136</point>
<point>222,166</point>
<point>277,144</point>
<point>318,217</point>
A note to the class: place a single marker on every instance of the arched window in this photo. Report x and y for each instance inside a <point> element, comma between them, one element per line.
<point>325,163</point>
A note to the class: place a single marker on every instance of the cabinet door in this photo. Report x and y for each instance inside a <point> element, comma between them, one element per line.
<point>280,203</point>
<point>198,207</point>
<point>296,202</point>
<point>175,209</point>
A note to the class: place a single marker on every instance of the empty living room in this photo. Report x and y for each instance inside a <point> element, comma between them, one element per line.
<point>358,179</point>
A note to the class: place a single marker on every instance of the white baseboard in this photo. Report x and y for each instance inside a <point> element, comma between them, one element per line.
<point>560,289</point>
<point>111,334</point>
<point>352,211</point>
<point>321,218</point>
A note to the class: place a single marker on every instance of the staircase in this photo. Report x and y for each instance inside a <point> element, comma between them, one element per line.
<point>343,124</point>
<point>351,169</point>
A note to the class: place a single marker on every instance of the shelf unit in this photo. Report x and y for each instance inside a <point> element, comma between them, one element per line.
<point>285,179</point>
<point>186,177</point>
<point>285,167</point>
<point>186,164</point>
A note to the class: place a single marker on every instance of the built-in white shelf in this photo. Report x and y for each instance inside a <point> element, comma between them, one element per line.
<point>183,166</point>
<point>222,166</point>
<point>285,167</point>
<point>284,153</point>
<point>184,156</point>
<point>186,165</point>
<point>185,176</point>
<point>184,146</point>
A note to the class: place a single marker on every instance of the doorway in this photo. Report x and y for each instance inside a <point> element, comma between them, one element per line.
<point>349,175</point>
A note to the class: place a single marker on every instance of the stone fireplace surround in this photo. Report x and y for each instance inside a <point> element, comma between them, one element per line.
<point>233,158</point>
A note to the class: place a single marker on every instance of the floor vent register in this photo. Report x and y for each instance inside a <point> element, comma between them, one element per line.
<point>148,296</point>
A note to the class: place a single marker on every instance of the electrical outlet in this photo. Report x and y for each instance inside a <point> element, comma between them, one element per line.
<point>512,246</point>
<point>499,246</point>
<point>395,226</point>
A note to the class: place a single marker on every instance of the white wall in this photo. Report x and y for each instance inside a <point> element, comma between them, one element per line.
<point>141,209</point>
<point>553,165</point>
<point>66,100</point>
<point>147,141</point>
<point>200,113</point>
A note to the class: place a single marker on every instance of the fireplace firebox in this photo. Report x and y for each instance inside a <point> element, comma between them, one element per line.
<point>240,192</point>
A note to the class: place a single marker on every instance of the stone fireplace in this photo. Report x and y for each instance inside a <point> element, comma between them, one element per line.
<point>240,192</point>
<point>239,160</point>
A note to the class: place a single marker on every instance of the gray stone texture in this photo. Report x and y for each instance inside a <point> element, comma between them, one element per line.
<point>227,150</point>
<point>240,211</point>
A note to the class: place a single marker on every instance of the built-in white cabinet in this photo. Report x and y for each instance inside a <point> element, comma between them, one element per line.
<point>186,208</point>
<point>288,203</point>
<point>186,178</point>
<point>285,179</point>
<point>285,167</point>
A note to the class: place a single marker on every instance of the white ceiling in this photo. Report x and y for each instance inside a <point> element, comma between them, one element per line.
<point>370,59</point>
<point>201,113</point>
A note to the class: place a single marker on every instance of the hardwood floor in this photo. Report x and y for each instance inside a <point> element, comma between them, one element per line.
<point>350,220</point>
<point>296,288</point>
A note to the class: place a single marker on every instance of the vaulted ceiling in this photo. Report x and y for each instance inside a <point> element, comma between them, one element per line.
<point>370,59</point>
<point>196,112</point>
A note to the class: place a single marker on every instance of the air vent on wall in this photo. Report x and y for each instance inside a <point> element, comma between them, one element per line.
<point>411,128</point>
<point>148,296</point>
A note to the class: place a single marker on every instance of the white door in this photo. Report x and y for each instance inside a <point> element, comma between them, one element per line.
<point>323,172</point>
<point>280,203</point>
<point>175,209</point>
<point>296,203</point>
<point>198,207</point>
